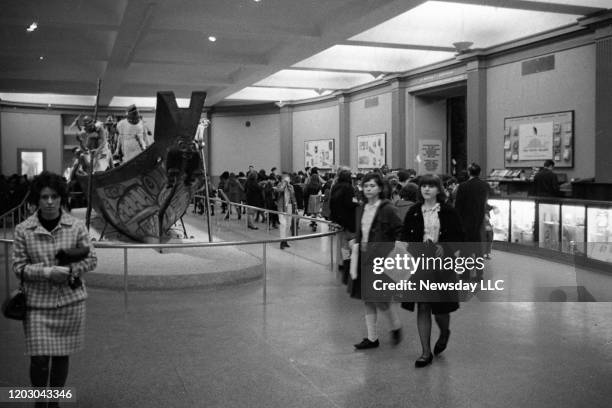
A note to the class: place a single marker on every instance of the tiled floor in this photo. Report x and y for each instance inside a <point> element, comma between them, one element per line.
<point>224,348</point>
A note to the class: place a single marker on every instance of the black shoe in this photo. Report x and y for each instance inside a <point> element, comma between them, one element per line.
<point>253,227</point>
<point>396,336</point>
<point>226,216</point>
<point>441,343</point>
<point>367,344</point>
<point>284,245</point>
<point>423,361</point>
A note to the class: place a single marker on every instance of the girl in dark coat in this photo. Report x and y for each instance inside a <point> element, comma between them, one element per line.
<point>342,205</point>
<point>377,229</point>
<point>433,224</point>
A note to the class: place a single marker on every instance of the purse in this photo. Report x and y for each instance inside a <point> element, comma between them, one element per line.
<point>14,307</point>
<point>66,257</point>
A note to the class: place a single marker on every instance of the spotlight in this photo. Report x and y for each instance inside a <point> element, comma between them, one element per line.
<point>280,104</point>
<point>212,38</point>
<point>32,27</point>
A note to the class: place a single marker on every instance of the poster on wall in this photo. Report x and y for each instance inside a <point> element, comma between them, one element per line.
<point>371,151</point>
<point>530,140</point>
<point>536,141</point>
<point>430,156</point>
<point>319,153</point>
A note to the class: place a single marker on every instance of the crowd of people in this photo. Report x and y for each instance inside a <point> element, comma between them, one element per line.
<point>378,211</point>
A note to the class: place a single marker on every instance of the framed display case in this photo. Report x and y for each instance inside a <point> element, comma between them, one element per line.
<point>523,216</point>
<point>573,228</point>
<point>31,162</point>
<point>599,234</point>
<point>548,232</point>
<point>500,219</point>
<point>567,230</point>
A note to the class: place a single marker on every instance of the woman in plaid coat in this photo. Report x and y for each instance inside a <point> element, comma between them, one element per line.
<point>55,320</point>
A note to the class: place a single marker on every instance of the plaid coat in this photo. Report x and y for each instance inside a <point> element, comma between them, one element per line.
<point>35,247</point>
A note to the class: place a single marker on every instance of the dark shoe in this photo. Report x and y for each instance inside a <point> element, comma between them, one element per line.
<point>441,343</point>
<point>396,336</point>
<point>423,361</point>
<point>284,245</point>
<point>253,227</point>
<point>226,216</point>
<point>367,344</point>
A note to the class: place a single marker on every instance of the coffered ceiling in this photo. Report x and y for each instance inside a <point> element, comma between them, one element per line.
<point>265,51</point>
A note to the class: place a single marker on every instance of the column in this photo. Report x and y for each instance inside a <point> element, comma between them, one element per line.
<point>343,155</point>
<point>603,102</point>
<point>286,138</point>
<point>398,124</point>
<point>476,106</point>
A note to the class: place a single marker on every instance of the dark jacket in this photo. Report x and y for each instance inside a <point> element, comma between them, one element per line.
<point>470,205</point>
<point>342,206</point>
<point>546,184</point>
<point>451,236</point>
<point>385,230</point>
<point>254,193</point>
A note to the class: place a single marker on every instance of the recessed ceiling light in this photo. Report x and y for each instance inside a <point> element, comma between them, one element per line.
<point>41,57</point>
<point>32,27</point>
<point>212,38</point>
<point>256,1</point>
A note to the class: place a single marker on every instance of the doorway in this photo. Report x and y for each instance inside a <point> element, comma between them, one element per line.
<point>457,136</point>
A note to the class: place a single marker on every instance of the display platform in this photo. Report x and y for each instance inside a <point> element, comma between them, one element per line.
<point>170,268</point>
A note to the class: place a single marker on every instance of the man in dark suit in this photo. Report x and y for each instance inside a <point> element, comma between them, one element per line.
<point>545,183</point>
<point>470,205</point>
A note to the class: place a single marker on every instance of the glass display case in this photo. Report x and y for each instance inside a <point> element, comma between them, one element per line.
<point>599,233</point>
<point>522,214</point>
<point>572,228</point>
<point>500,218</point>
<point>566,227</point>
<point>548,232</point>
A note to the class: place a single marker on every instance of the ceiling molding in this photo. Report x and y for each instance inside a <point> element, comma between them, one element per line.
<point>396,46</point>
<point>533,6</point>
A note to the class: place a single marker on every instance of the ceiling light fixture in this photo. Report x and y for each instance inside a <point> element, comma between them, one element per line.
<point>320,91</point>
<point>212,38</point>
<point>41,57</point>
<point>32,27</point>
<point>377,74</point>
<point>462,46</point>
<point>280,104</point>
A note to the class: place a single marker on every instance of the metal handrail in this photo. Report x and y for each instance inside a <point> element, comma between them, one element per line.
<point>125,246</point>
<point>25,198</point>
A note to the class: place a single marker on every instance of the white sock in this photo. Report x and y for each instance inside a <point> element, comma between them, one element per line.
<point>371,326</point>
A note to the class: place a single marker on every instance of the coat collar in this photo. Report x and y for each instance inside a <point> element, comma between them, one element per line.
<point>32,222</point>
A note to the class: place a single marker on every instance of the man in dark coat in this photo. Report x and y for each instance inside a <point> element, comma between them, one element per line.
<point>545,182</point>
<point>470,205</point>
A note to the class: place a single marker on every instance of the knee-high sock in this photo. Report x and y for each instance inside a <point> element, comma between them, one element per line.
<point>370,319</point>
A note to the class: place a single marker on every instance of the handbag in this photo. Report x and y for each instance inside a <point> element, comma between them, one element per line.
<point>66,257</point>
<point>14,307</point>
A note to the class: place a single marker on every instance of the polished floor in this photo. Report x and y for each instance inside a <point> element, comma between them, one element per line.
<point>223,347</point>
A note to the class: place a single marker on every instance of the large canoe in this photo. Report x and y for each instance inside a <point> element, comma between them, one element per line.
<point>134,197</point>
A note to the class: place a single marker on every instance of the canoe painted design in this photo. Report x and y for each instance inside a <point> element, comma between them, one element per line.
<point>134,197</point>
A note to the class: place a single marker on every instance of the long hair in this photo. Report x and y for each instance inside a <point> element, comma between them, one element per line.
<point>433,181</point>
